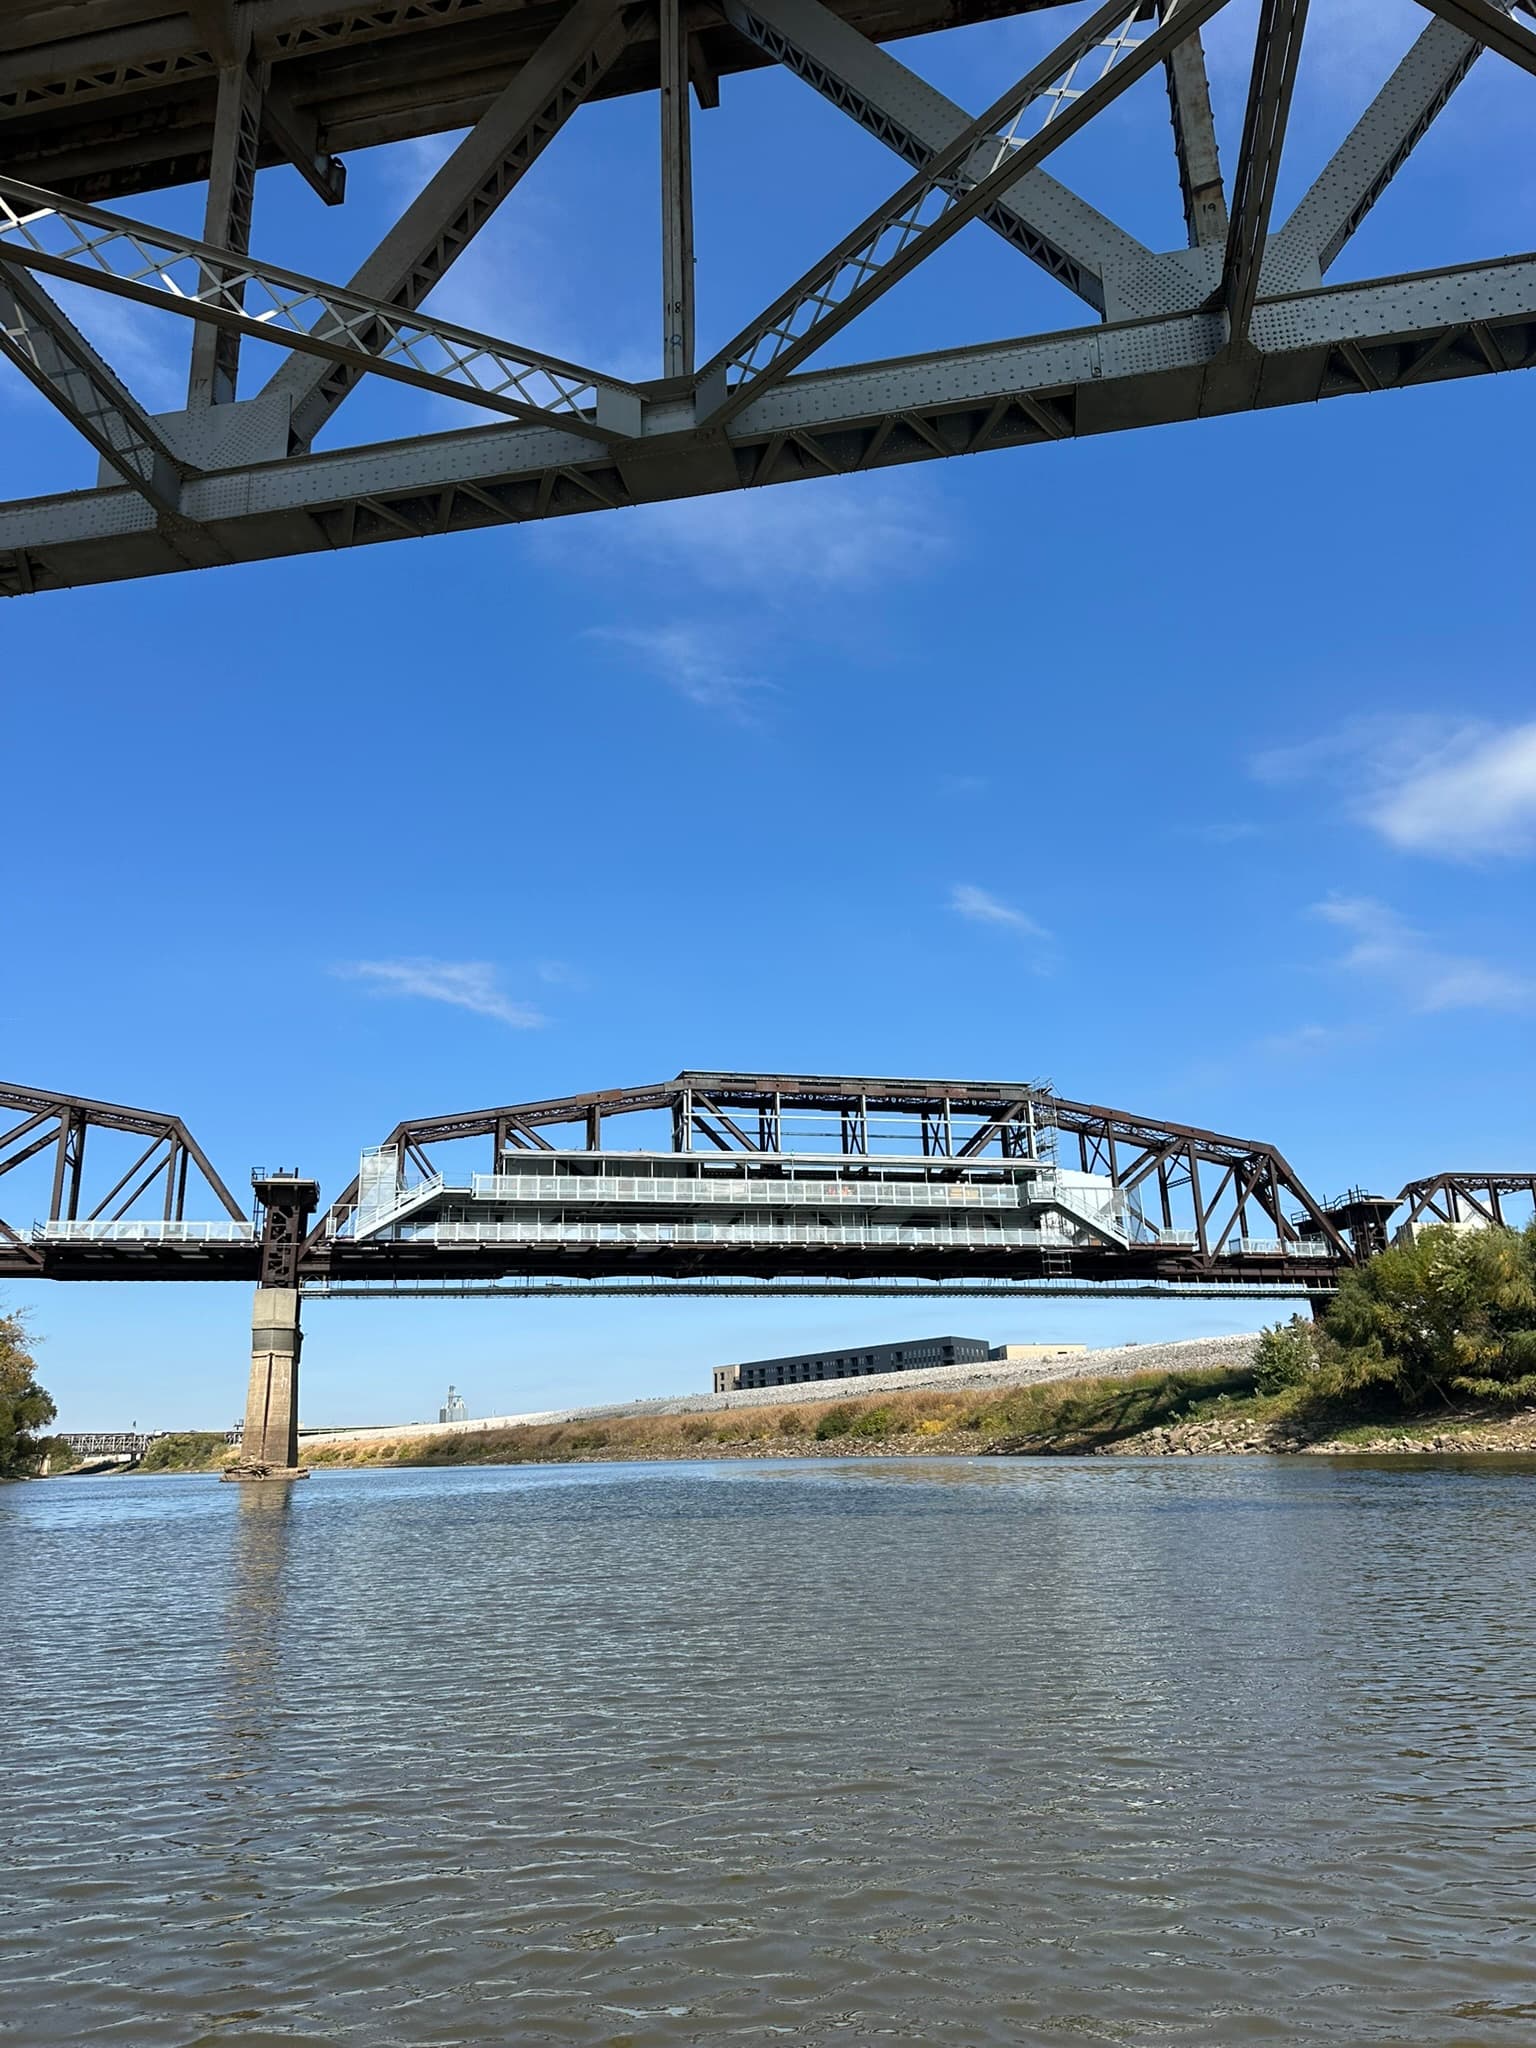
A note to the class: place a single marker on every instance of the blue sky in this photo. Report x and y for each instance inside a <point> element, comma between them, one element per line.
<point>1194,770</point>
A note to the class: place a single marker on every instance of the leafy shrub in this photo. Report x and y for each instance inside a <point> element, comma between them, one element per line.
<point>873,1422</point>
<point>838,1420</point>
<point>791,1423</point>
<point>1286,1355</point>
<point>189,1450</point>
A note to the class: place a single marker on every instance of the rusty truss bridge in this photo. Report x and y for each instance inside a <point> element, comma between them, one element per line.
<point>101,103</point>
<point>716,1182</point>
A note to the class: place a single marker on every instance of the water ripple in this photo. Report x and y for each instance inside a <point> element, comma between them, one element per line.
<point>1204,1752</point>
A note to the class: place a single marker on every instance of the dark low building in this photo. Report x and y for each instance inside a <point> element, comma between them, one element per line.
<point>919,1354</point>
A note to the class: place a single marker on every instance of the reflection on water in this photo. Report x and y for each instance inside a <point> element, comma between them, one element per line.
<point>1139,1752</point>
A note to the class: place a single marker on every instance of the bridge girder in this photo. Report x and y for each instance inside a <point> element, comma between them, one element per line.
<point>1239,321</point>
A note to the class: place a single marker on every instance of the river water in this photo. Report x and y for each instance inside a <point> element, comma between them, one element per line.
<point>1140,1751</point>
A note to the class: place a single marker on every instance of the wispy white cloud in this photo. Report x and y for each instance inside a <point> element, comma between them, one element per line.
<point>1303,1042</point>
<point>1386,948</point>
<point>833,535</point>
<point>1460,789</point>
<point>560,974</point>
<point>473,985</point>
<point>978,906</point>
<point>1478,797</point>
<point>698,662</point>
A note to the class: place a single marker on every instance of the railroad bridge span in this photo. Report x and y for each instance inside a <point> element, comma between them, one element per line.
<point>712,1183</point>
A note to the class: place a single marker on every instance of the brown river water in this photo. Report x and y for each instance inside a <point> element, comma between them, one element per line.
<point>1154,1752</point>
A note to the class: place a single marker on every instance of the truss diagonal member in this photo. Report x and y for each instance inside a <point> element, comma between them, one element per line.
<point>1369,157</point>
<point>1275,56</point>
<point>1066,236</point>
<point>50,350</point>
<point>953,187</point>
<point>89,247</point>
<point>1490,24</point>
<point>460,198</point>
<point>1194,143</point>
<point>227,223</point>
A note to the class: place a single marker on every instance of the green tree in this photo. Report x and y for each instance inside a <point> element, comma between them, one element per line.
<point>1454,1312</point>
<point>24,1407</point>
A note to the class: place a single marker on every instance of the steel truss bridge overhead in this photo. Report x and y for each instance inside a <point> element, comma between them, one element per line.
<point>717,1182</point>
<point>102,102</point>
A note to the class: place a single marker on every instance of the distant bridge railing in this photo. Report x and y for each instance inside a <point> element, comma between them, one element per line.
<point>103,1443</point>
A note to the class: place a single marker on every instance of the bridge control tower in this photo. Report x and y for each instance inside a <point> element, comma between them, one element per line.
<point>270,1446</point>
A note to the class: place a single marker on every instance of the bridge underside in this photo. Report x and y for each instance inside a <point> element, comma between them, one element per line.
<point>430,1268</point>
<point>103,103</point>
<point>1241,319</point>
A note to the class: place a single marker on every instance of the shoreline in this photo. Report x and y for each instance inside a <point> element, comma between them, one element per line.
<point>1213,1411</point>
<point>1197,1399</point>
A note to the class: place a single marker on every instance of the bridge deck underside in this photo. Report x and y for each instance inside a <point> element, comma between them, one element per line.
<point>392,1262</point>
<point>128,105</point>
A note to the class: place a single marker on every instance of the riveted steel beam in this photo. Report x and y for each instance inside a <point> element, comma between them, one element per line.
<point>1194,143</point>
<point>1271,85</point>
<point>1340,341</point>
<point>1490,24</point>
<point>1369,157</point>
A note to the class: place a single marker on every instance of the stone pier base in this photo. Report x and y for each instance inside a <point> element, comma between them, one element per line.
<point>270,1446</point>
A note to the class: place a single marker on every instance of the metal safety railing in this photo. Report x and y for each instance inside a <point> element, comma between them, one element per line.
<point>769,1231</point>
<point>743,1193</point>
<point>156,1232</point>
<point>369,1217</point>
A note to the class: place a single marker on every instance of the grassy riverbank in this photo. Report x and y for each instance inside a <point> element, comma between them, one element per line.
<point>1216,1410</point>
<point>926,1422</point>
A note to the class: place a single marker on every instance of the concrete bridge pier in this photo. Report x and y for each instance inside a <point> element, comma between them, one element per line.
<point>269,1448</point>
